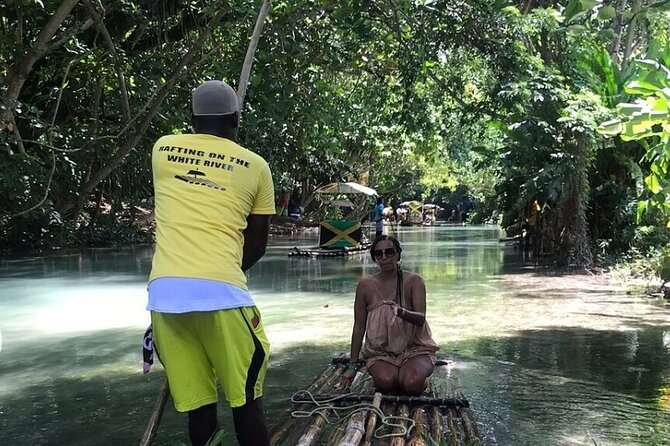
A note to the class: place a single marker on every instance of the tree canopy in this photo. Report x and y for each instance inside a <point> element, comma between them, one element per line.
<point>496,102</point>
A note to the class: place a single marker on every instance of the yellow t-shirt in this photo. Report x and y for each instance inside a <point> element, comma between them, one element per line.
<point>205,187</point>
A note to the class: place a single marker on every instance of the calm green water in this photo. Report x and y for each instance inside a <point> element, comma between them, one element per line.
<point>544,360</point>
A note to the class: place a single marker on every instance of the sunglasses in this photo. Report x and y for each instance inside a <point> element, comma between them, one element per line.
<point>388,252</point>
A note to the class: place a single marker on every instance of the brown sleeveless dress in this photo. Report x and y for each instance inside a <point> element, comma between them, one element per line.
<point>392,339</point>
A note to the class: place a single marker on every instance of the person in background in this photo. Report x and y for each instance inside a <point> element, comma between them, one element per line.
<point>293,205</point>
<point>390,313</point>
<point>212,225</point>
<point>378,217</point>
<point>282,205</point>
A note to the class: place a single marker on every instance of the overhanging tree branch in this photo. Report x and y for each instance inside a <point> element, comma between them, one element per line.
<point>46,191</point>
<point>69,34</point>
<point>152,108</point>
<point>125,103</point>
<point>18,72</point>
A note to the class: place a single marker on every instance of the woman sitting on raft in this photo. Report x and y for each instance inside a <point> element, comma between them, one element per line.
<point>390,311</point>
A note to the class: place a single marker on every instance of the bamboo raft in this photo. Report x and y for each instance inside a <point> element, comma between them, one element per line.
<point>320,415</point>
<point>317,251</point>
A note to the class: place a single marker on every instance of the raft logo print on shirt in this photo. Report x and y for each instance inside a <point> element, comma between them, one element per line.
<point>192,177</point>
<point>196,157</point>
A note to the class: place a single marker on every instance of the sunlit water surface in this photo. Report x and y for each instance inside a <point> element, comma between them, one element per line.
<point>543,359</point>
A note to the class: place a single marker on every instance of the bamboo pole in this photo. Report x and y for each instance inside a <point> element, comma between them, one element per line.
<point>435,415</point>
<point>470,428</point>
<point>152,428</point>
<point>333,438</point>
<point>251,50</point>
<point>452,425</point>
<point>313,430</point>
<point>355,429</point>
<point>444,423</point>
<point>436,425</point>
<point>287,422</point>
<point>372,419</point>
<point>453,402</point>
<point>403,411</point>
<point>419,433</point>
<point>362,386</point>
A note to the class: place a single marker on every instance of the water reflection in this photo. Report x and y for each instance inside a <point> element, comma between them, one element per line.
<point>544,359</point>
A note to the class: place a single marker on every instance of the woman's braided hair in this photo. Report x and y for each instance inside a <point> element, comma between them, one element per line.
<point>399,276</point>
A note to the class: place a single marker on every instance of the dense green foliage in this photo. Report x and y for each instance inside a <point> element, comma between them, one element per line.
<point>495,102</point>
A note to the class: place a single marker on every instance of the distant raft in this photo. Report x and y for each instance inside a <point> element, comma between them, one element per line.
<point>320,415</point>
<point>318,251</point>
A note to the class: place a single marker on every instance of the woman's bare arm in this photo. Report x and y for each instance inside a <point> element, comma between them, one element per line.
<point>417,301</point>
<point>360,320</point>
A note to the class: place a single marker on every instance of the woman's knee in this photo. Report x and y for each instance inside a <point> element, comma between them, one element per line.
<point>385,382</point>
<point>413,385</point>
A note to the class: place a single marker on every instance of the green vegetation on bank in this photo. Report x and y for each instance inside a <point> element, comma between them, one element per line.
<point>552,114</point>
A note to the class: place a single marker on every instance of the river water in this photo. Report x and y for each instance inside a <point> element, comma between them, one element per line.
<point>544,359</point>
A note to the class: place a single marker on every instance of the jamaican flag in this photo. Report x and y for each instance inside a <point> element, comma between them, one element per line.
<point>339,233</point>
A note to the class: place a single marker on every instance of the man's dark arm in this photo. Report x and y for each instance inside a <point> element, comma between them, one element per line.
<point>255,239</point>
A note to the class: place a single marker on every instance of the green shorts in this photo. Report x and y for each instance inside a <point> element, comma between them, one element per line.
<point>196,348</point>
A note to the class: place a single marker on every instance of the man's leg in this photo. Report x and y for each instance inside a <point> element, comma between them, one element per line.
<point>241,365</point>
<point>189,372</point>
<point>202,424</point>
<point>250,427</point>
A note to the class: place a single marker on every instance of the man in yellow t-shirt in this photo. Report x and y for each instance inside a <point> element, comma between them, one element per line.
<point>213,201</point>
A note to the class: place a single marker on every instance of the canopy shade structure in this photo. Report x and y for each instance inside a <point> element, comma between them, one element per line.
<point>346,188</point>
<point>343,203</point>
<point>414,215</point>
<point>352,198</point>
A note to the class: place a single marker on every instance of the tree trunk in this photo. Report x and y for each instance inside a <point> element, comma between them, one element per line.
<point>630,38</point>
<point>112,49</point>
<point>18,72</point>
<point>618,29</point>
<point>574,243</point>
